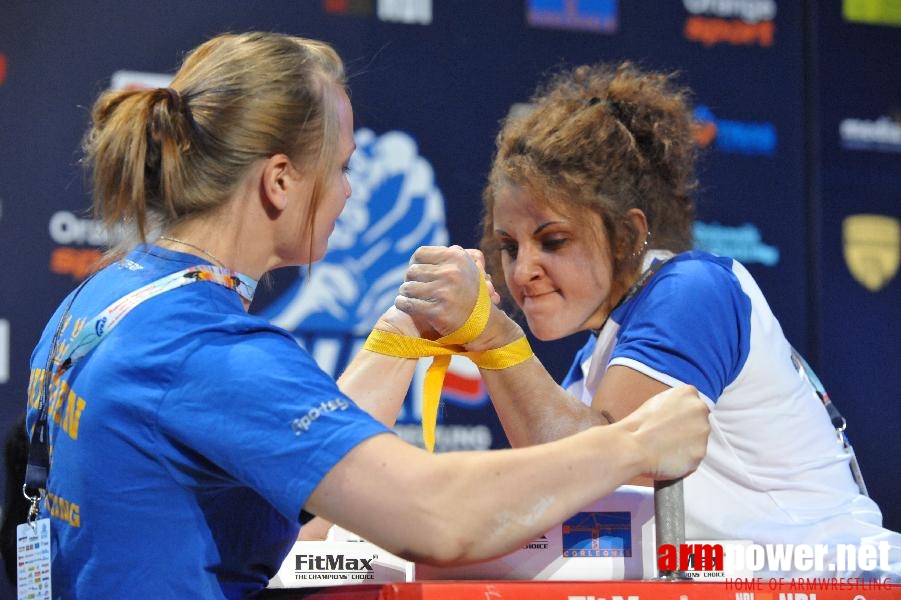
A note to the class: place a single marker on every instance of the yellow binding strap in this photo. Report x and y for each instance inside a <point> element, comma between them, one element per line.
<point>401,346</point>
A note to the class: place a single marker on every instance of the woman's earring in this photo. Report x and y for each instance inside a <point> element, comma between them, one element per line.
<point>644,247</point>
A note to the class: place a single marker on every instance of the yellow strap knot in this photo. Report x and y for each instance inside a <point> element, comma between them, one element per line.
<point>402,346</point>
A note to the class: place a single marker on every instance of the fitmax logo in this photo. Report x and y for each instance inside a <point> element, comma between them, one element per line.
<point>332,562</point>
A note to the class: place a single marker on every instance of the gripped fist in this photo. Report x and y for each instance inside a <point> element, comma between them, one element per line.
<point>479,259</point>
<point>671,430</point>
<point>395,321</point>
<point>440,289</point>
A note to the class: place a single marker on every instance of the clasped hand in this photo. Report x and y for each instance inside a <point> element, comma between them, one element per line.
<point>439,293</point>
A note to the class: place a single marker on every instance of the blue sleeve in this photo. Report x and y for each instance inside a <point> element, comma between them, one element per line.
<point>690,324</point>
<point>257,410</point>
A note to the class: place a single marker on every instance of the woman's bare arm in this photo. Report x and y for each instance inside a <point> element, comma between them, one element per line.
<point>467,506</point>
<point>378,384</point>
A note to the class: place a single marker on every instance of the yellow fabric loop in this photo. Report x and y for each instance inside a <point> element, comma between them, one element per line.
<point>475,323</point>
<point>504,357</point>
<point>402,346</point>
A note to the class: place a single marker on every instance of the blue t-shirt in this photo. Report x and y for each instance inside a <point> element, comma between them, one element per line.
<point>184,445</point>
<point>691,322</point>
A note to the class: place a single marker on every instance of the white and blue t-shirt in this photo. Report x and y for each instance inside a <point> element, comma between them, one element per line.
<point>774,470</point>
<point>185,445</point>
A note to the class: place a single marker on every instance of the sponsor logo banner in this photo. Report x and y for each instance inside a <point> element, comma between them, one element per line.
<point>734,137</point>
<point>879,135</point>
<point>330,563</point>
<point>601,16</point>
<point>744,243</point>
<point>872,12</point>
<point>734,22</point>
<point>360,8</point>
<point>598,534</point>
<point>872,247</point>
<point>410,12</point>
<point>79,244</point>
<point>138,80</point>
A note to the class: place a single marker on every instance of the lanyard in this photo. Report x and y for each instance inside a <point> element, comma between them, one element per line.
<point>94,332</point>
<point>97,328</point>
<point>656,262</point>
<point>643,279</point>
<point>838,421</point>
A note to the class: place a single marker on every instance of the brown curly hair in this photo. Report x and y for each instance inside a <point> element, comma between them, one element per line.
<point>605,138</point>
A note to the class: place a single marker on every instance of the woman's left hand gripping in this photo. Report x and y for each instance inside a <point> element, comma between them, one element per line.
<point>441,288</point>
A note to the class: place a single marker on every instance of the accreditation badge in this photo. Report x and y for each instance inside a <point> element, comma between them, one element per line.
<point>33,560</point>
